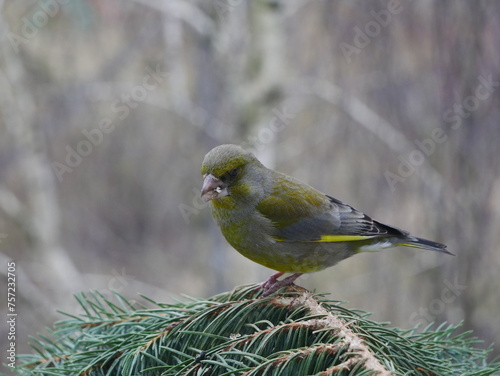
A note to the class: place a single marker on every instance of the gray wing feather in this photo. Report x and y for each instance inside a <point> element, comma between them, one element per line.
<point>341,219</point>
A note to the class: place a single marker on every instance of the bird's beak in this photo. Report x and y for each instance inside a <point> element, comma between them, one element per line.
<point>213,188</point>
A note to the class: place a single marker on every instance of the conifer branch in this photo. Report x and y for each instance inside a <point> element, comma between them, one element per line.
<point>353,341</point>
<point>292,332</point>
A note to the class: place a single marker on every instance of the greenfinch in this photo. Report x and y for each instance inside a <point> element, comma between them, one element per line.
<point>286,225</point>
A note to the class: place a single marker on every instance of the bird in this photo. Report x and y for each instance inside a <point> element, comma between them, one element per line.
<point>286,225</point>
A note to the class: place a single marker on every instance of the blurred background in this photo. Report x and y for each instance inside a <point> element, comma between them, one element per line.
<point>108,108</point>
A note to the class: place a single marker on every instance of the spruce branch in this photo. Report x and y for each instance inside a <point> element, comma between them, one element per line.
<point>292,332</point>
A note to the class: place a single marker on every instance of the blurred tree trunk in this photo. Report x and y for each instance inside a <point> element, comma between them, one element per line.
<point>462,56</point>
<point>266,75</point>
<point>40,217</point>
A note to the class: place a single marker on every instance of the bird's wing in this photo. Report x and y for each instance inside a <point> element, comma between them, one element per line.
<point>327,220</point>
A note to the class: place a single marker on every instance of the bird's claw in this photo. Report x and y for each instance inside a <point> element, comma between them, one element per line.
<point>270,281</point>
<point>273,284</point>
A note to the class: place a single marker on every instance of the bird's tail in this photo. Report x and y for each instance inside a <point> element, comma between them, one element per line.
<point>412,241</point>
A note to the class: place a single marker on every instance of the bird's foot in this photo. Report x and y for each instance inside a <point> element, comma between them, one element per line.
<point>270,281</point>
<point>273,284</point>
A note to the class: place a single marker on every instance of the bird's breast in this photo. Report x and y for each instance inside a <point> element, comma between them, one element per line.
<point>244,228</point>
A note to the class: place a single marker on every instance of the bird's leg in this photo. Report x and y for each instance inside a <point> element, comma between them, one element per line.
<point>272,284</point>
<point>271,281</point>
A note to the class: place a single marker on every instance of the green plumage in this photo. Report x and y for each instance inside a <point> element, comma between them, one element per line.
<point>284,224</point>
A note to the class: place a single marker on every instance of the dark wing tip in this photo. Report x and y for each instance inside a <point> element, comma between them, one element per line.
<point>354,222</point>
<point>426,244</point>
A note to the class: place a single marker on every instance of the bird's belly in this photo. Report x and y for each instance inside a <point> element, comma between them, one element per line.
<point>294,257</point>
<point>252,237</point>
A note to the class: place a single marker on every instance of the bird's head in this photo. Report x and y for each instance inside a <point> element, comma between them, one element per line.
<point>228,170</point>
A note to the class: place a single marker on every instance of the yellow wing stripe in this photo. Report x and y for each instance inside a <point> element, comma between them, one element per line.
<point>408,245</point>
<point>333,239</point>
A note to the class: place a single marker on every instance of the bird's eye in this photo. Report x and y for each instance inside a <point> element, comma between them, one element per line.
<point>233,172</point>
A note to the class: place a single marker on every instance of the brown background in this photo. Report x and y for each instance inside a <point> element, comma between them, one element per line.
<point>108,108</point>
